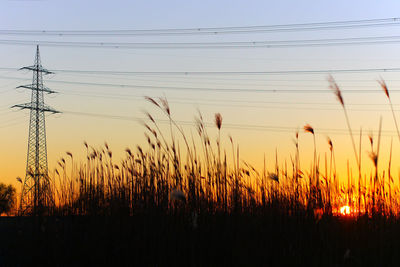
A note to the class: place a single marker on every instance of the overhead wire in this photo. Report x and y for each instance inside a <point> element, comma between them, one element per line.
<point>330,25</point>
<point>221,103</point>
<point>210,73</point>
<point>209,89</point>
<point>213,45</point>
<point>129,97</point>
<point>254,81</point>
<point>270,128</point>
<point>222,30</point>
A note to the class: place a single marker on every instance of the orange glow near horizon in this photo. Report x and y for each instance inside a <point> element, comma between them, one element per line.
<point>345,210</point>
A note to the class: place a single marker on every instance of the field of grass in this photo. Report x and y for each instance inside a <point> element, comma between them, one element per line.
<point>178,203</point>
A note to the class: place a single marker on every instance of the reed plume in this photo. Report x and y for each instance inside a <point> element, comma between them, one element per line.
<point>334,86</point>
<point>218,120</point>
<point>309,129</point>
<point>386,91</point>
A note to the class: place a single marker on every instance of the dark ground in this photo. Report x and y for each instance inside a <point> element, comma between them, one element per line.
<point>217,240</point>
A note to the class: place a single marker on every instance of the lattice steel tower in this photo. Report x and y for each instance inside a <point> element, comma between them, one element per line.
<point>36,191</point>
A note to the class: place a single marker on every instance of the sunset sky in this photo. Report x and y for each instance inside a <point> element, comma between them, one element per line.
<point>105,107</point>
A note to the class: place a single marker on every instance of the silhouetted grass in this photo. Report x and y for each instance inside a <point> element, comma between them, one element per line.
<point>150,178</point>
<point>189,201</point>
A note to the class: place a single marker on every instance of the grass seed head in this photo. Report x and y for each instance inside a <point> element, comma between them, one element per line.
<point>384,87</point>
<point>148,138</point>
<point>371,139</point>
<point>374,158</point>
<point>330,144</point>
<point>151,100</point>
<point>300,174</point>
<point>127,150</point>
<point>273,176</point>
<point>147,126</point>
<point>139,149</point>
<point>150,117</point>
<point>218,120</point>
<point>164,103</point>
<point>308,129</point>
<point>334,86</point>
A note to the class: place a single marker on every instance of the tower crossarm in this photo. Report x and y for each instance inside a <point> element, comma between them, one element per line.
<point>37,68</point>
<point>34,87</point>
<point>33,106</point>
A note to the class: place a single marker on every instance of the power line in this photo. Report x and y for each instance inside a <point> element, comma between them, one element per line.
<point>211,73</point>
<point>331,25</point>
<point>206,88</point>
<point>214,45</point>
<point>153,87</point>
<point>194,88</point>
<point>223,104</point>
<point>258,81</point>
<point>196,101</point>
<point>213,102</point>
<point>133,85</point>
<point>269,128</point>
<point>216,101</point>
<point>232,90</point>
<point>210,80</point>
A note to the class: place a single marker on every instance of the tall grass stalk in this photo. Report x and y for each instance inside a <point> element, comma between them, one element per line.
<point>334,86</point>
<point>386,91</point>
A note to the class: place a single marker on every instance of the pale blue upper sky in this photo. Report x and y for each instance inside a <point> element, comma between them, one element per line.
<point>158,14</point>
<point>67,132</point>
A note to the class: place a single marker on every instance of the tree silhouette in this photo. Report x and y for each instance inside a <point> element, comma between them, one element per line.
<point>7,198</point>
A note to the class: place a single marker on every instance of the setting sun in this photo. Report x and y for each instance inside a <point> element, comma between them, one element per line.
<point>345,210</point>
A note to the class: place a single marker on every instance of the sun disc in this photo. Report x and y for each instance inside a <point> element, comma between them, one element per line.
<point>345,210</point>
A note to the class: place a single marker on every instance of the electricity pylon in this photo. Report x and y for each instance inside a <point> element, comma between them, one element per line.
<point>36,191</point>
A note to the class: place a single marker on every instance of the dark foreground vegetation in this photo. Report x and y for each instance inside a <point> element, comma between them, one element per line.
<point>159,239</point>
<point>190,202</point>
